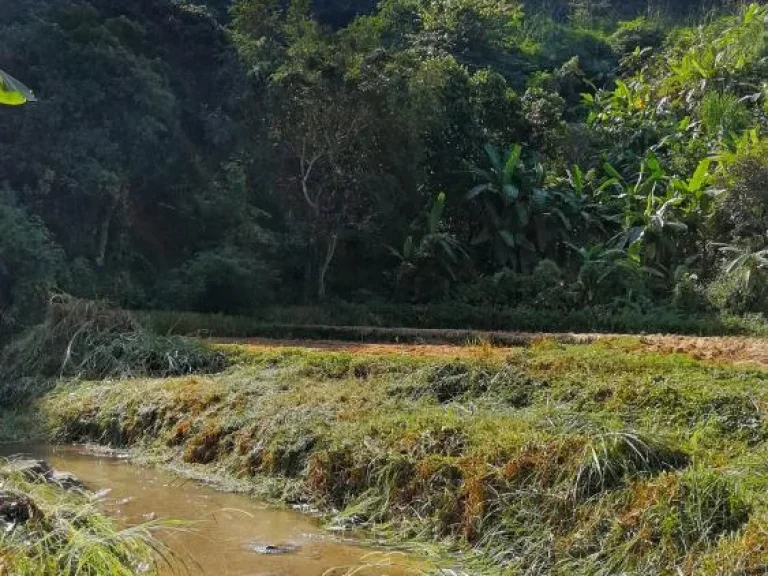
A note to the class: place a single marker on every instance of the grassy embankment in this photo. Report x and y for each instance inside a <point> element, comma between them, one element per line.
<point>563,459</point>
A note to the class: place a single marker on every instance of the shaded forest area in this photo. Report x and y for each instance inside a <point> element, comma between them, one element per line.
<point>501,159</point>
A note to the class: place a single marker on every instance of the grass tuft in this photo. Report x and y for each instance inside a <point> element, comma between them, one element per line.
<point>63,534</point>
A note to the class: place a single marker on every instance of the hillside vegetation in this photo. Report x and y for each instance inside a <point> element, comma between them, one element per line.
<point>594,164</point>
<point>458,171</point>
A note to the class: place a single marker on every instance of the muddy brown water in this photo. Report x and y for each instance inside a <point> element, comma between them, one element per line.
<point>225,530</point>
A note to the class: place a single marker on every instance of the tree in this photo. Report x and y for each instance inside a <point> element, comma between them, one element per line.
<point>136,123</point>
<point>29,263</point>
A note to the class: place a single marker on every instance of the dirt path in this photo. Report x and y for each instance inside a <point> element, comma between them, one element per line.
<point>739,350</point>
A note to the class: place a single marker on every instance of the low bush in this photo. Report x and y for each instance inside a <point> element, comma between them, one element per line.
<point>729,294</point>
<point>638,33</point>
<point>225,280</point>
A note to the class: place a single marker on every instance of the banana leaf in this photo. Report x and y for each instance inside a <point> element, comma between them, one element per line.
<point>13,92</point>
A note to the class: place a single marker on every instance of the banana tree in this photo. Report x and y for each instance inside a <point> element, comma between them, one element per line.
<point>657,209</point>
<point>596,264</point>
<point>13,92</point>
<point>602,265</point>
<point>507,206</point>
<point>434,253</point>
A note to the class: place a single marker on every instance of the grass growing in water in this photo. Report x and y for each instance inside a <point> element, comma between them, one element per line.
<point>51,532</point>
<point>558,459</point>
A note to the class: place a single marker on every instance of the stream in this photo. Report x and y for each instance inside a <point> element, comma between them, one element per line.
<point>227,535</point>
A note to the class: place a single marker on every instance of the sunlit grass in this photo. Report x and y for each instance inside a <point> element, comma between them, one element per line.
<point>554,458</point>
<point>67,535</point>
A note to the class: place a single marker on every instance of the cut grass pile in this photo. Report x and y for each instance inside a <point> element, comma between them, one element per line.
<point>91,339</point>
<point>47,531</point>
<point>556,459</point>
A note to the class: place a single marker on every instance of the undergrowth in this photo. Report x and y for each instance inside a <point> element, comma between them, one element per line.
<point>92,340</point>
<point>558,459</point>
<point>391,322</point>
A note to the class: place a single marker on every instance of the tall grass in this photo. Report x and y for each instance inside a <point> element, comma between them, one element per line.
<point>67,535</point>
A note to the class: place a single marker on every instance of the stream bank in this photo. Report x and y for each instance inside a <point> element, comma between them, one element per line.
<point>554,459</point>
<point>214,533</point>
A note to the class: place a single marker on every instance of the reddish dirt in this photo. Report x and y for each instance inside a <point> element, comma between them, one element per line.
<point>731,350</point>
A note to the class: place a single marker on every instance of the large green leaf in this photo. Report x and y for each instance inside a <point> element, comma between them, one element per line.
<point>13,92</point>
<point>612,171</point>
<point>513,159</point>
<point>436,214</point>
<point>508,238</point>
<point>654,165</point>
<point>511,192</point>
<point>700,177</point>
<point>576,177</point>
<point>493,156</point>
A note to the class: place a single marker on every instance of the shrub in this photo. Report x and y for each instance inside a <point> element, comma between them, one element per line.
<point>688,294</point>
<point>742,213</point>
<point>729,293</point>
<point>723,114</point>
<point>637,33</point>
<point>29,262</point>
<point>222,280</point>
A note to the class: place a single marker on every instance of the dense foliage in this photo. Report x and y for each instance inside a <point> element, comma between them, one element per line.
<point>546,155</point>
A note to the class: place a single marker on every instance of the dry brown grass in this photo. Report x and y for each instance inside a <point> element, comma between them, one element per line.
<point>724,349</point>
<point>736,350</point>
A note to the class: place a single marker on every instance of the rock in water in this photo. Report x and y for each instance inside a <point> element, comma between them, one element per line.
<point>15,509</point>
<point>273,548</point>
<point>40,471</point>
<point>32,470</point>
<point>67,480</point>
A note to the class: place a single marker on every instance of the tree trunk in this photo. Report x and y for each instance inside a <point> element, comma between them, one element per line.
<point>323,271</point>
<point>309,273</point>
<point>101,256</point>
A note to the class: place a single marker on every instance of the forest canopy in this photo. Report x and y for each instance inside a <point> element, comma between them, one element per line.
<point>539,156</point>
